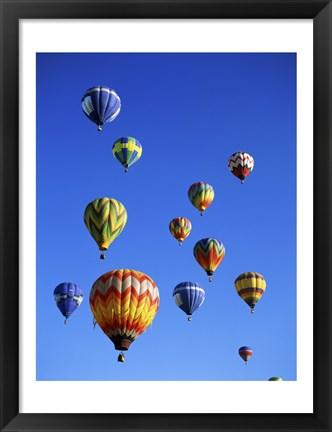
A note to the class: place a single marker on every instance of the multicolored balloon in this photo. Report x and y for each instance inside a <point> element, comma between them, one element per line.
<point>68,296</point>
<point>275,379</point>
<point>101,105</point>
<point>241,164</point>
<point>127,151</point>
<point>209,252</point>
<point>105,219</point>
<point>189,296</point>
<point>201,195</point>
<point>245,353</point>
<point>124,302</point>
<point>250,287</point>
<point>180,228</point>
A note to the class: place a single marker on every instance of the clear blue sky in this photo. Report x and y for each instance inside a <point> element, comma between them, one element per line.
<point>190,112</point>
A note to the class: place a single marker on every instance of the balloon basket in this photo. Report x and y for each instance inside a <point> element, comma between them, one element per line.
<point>121,358</point>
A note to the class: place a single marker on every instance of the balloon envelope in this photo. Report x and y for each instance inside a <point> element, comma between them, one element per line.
<point>101,105</point>
<point>209,252</point>
<point>250,286</point>
<point>275,379</point>
<point>245,353</point>
<point>180,228</point>
<point>127,151</point>
<point>241,164</point>
<point>124,302</point>
<point>189,296</point>
<point>201,195</point>
<point>105,219</point>
<point>68,296</point>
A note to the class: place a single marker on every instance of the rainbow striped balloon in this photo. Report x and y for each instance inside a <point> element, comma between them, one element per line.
<point>127,151</point>
<point>124,302</point>
<point>241,164</point>
<point>209,252</point>
<point>201,195</point>
<point>180,228</point>
<point>245,353</point>
<point>250,286</point>
<point>105,219</point>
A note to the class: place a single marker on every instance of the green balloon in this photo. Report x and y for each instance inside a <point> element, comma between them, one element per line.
<point>275,379</point>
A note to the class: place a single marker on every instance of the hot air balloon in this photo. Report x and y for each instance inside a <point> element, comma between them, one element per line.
<point>105,218</point>
<point>68,296</point>
<point>127,151</point>
<point>275,379</point>
<point>189,296</point>
<point>124,302</point>
<point>245,352</point>
<point>101,105</point>
<point>250,286</point>
<point>180,228</point>
<point>201,195</point>
<point>209,253</point>
<point>241,164</point>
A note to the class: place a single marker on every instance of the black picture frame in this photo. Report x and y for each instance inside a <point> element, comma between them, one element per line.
<point>14,10</point>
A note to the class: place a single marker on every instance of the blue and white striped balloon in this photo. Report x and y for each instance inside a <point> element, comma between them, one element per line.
<point>68,296</point>
<point>101,105</point>
<point>189,296</point>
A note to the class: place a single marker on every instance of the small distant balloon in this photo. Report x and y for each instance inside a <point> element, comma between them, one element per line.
<point>180,228</point>
<point>241,164</point>
<point>189,296</point>
<point>127,151</point>
<point>201,195</point>
<point>101,105</point>
<point>209,252</point>
<point>68,296</point>
<point>250,286</point>
<point>245,353</point>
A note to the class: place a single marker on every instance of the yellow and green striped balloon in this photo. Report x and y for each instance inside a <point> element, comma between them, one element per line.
<point>250,287</point>
<point>105,219</point>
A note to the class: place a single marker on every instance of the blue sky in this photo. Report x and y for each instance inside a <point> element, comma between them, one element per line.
<point>190,112</point>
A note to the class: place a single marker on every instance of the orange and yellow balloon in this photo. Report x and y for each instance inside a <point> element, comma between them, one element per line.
<point>180,228</point>
<point>250,287</point>
<point>124,303</point>
<point>209,253</point>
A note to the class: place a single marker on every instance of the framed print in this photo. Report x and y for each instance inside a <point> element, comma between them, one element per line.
<point>128,128</point>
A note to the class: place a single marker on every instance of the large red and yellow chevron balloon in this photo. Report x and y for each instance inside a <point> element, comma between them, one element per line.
<point>241,164</point>
<point>105,219</point>
<point>250,286</point>
<point>209,253</point>
<point>124,302</point>
<point>180,228</point>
